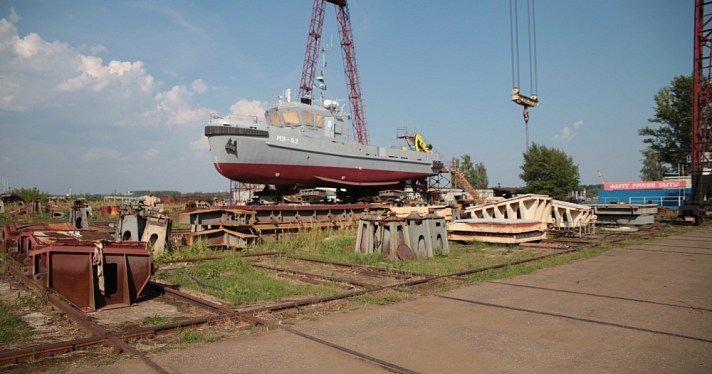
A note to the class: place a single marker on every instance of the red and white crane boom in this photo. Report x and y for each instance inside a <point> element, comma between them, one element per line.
<point>358,117</point>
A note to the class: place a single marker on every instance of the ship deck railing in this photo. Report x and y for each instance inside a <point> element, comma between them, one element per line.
<point>234,117</point>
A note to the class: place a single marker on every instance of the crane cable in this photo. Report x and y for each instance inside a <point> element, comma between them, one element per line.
<point>514,41</point>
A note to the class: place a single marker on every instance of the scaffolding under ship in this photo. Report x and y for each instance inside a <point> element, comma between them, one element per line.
<point>303,143</point>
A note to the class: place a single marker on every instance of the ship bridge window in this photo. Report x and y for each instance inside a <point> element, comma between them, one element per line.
<point>291,118</point>
<point>274,120</point>
<point>308,118</point>
<point>319,120</point>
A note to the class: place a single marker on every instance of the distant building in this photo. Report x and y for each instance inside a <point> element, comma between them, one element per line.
<point>665,194</point>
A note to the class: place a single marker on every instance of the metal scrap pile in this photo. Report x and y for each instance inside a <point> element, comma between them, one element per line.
<point>145,223</point>
<point>243,226</point>
<point>521,219</point>
<point>415,235</point>
<point>83,266</point>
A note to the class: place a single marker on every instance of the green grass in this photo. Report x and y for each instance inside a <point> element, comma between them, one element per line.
<point>529,267</point>
<point>379,299</point>
<point>154,320</point>
<point>114,357</point>
<point>240,282</point>
<point>192,337</point>
<point>34,298</point>
<point>11,327</point>
<point>196,250</point>
<point>243,284</point>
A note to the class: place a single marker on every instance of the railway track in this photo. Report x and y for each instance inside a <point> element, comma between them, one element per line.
<point>120,340</point>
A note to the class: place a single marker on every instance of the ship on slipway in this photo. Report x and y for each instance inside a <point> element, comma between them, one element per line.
<point>305,142</point>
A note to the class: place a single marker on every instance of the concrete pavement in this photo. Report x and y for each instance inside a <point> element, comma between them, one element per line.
<point>645,308</point>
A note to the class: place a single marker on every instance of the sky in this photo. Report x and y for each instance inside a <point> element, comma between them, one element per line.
<point>104,96</point>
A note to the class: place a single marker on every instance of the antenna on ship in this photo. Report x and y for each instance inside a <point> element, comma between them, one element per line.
<point>322,78</point>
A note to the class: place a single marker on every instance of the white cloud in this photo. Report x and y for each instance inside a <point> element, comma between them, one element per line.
<point>64,104</point>
<point>29,45</point>
<point>37,74</point>
<point>98,48</point>
<point>199,87</point>
<point>98,153</point>
<point>200,144</point>
<point>567,133</point>
<point>151,153</point>
<point>13,16</point>
<point>249,108</point>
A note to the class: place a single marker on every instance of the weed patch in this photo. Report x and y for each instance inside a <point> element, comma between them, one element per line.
<point>231,278</point>
<point>11,327</point>
<point>34,298</point>
<point>192,337</point>
<point>154,320</point>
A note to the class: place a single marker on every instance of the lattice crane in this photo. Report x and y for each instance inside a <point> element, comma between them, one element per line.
<point>358,120</point>
<point>698,202</point>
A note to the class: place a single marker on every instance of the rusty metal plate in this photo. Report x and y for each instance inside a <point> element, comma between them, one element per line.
<point>404,252</point>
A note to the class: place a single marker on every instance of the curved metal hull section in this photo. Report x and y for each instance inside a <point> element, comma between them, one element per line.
<point>289,156</point>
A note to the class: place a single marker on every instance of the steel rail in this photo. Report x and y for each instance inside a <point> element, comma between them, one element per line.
<point>153,330</point>
<point>259,321</point>
<point>664,251</point>
<point>192,299</point>
<point>311,275</point>
<point>604,296</point>
<point>574,318</point>
<point>315,281</point>
<point>359,266</point>
<point>78,317</point>
<point>218,257</point>
<point>676,246</point>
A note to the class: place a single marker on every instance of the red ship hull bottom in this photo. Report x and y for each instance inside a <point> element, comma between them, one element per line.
<point>321,176</point>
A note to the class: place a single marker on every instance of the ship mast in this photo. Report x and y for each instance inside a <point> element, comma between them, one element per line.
<point>322,78</point>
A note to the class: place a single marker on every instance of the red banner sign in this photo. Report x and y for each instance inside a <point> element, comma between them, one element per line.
<point>644,185</point>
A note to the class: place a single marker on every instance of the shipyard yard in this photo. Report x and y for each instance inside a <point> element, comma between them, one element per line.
<point>622,299</point>
<point>466,246</point>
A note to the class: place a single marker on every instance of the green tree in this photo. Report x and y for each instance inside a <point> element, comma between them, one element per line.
<point>591,189</point>
<point>672,140</point>
<point>476,174</point>
<point>28,195</point>
<point>454,165</point>
<point>549,171</point>
<point>652,170</point>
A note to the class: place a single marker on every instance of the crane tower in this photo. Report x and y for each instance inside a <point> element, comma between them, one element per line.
<point>698,203</point>
<point>358,120</point>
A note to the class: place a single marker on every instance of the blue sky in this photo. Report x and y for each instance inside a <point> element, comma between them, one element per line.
<point>114,95</point>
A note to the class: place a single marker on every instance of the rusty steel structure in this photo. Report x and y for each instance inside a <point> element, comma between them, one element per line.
<point>84,267</point>
<point>243,226</point>
<point>348,53</point>
<point>99,334</point>
<point>698,203</point>
<point>146,224</point>
<point>11,231</point>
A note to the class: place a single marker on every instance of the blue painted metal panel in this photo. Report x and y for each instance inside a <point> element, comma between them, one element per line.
<point>668,198</point>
